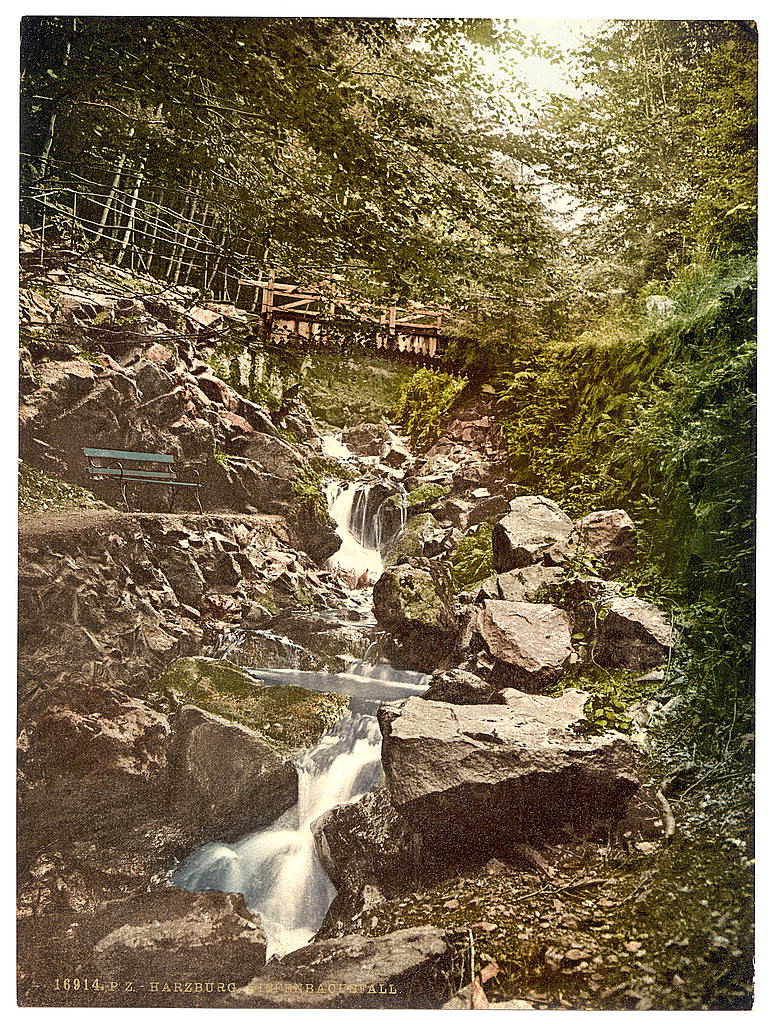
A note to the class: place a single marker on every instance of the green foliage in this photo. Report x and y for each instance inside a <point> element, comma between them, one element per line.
<point>612,692</point>
<point>426,494</point>
<point>307,488</point>
<point>220,458</point>
<point>658,145</point>
<point>472,561</point>
<point>425,400</point>
<point>373,387</point>
<point>657,416</point>
<point>40,494</point>
<point>382,147</point>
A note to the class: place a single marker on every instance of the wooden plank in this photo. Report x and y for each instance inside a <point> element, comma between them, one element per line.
<point>110,453</point>
<point>294,305</point>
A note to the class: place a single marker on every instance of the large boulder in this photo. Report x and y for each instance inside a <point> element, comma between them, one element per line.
<point>531,643</point>
<point>404,969</point>
<point>410,603</point>
<point>367,438</point>
<point>421,537</point>
<point>395,453</point>
<point>607,537</point>
<point>533,524</point>
<point>476,779</point>
<point>633,635</point>
<point>173,938</point>
<point>225,777</point>
<point>527,584</point>
<point>366,841</point>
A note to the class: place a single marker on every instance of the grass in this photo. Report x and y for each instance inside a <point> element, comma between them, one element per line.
<point>40,494</point>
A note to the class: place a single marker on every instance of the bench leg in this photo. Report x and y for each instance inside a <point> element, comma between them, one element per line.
<point>198,501</point>
<point>124,496</point>
<point>173,495</point>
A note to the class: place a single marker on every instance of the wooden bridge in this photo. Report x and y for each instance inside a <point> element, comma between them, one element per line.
<point>322,315</point>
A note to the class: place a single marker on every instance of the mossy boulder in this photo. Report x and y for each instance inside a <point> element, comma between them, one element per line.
<point>428,629</point>
<point>289,717</point>
<point>421,537</point>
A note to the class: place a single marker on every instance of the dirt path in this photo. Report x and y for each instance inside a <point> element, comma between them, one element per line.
<point>47,525</point>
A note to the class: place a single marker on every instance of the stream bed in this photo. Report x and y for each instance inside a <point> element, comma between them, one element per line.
<point>277,868</point>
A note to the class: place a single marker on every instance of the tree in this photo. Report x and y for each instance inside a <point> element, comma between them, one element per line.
<point>374,147</point>
<point>659,146</point>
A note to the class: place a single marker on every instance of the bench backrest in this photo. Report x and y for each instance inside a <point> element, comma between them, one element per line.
<point>109,453</point>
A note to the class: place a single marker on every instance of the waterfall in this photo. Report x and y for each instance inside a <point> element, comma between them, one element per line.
<point>277,868</point>
<point>348,510</point>
<point>333,447</point>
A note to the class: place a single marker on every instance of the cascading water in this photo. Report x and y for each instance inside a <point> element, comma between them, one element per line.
<point>277,869</point>
<point>353,556</point>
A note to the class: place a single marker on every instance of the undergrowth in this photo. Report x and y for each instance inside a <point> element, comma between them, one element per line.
<point>425,400</point>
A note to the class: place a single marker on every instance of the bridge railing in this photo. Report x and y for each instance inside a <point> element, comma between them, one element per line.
<point>321,315</point>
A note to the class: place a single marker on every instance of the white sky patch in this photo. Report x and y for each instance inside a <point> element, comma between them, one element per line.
<point>539,73</point>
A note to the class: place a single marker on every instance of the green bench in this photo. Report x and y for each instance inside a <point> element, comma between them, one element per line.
<point>134,468</point>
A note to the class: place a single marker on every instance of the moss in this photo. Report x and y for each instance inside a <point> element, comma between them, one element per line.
<point>414,597</point>
<point>289,717</point>
<point>472,561</point>
<point>40,494</point>
<point>426,494</point>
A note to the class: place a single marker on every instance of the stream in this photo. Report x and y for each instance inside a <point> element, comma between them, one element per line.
<point>277,868</point>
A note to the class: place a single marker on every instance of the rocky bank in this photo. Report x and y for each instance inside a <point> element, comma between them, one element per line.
<point>142,735</point>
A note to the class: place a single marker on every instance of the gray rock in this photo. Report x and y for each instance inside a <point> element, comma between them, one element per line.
<point>456,686</point>
<point>174,936</point>
<point>408,596</point>
<point>406,968</point>
<point>488,508</point>
<point>363,842</point>
<point>225,777</point>
<point>367,438</point>
<point>531,643</point>
<point>526,584</point>
<point>608,537</point>
<point>634,635</point>
<point>421,537</point>
<point>426,625</point>
<point>478,779</point>
<point>395,453</point>
<point>184,575</point>
<point>534,524</point>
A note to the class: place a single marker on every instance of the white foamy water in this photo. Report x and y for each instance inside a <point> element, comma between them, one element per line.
<point>353,556</point>
<point>277,869</point>
<point>334,448</point>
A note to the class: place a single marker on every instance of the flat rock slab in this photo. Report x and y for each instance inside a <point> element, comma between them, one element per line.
<point>406,968</point>
<point>477,778</point>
